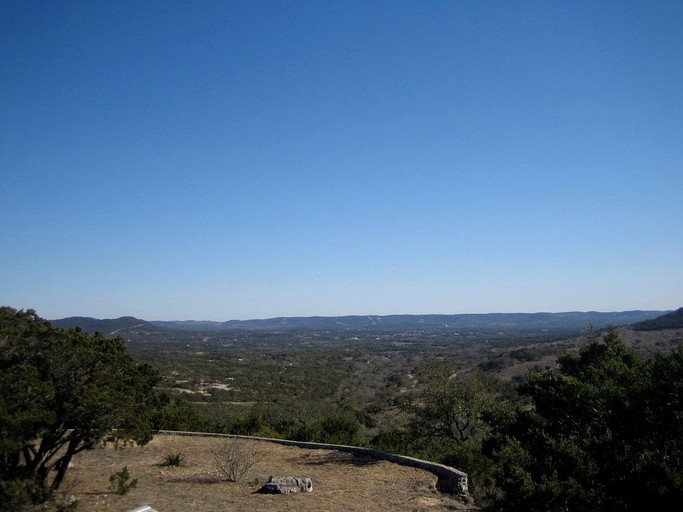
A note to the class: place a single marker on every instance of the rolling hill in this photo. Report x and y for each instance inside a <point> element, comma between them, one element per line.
<point>568,321</point>
<point>672,320</point>
<point>107,326</point>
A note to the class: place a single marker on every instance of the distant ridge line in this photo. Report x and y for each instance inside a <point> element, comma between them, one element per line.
<point>571,320</point>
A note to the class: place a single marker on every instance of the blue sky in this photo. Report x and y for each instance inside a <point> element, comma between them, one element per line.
<point>250,159</point>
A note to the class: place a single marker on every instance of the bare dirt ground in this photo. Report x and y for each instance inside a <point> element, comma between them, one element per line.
<point>340,480</point>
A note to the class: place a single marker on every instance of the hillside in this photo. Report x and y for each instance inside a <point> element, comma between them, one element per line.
<point>672,320</point>
<point>529,323</point>
<point>106,326</point>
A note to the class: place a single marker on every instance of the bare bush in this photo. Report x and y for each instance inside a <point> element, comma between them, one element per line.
<point>235,457</point>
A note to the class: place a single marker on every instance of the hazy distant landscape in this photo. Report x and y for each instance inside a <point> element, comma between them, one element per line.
<point>569,321</point>
<point>281,373</point>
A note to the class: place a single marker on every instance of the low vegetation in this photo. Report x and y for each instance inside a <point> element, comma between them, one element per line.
<point>234,458</point>
<point>121,482</point>
<point>174,459</point>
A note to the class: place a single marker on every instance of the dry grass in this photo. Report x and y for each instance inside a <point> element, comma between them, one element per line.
<point>642,342</point>
<point>340,481</point>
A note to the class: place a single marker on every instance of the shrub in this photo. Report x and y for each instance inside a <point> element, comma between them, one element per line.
<point>65,501</point>
<point>69,504</point>
<point>604,433</point>
<point>336,429</point>
<point>14,495</point>
<point>121,483</point>
<point>235,458</point>
<point>174,459</point>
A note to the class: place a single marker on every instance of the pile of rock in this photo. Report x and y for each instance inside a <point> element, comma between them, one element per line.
<point>286,485</point>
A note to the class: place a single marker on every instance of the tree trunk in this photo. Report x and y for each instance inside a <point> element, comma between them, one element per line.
<point>61,467</point>
<point>63,464</point>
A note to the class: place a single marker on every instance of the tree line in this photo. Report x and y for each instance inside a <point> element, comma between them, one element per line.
<point>601,431</point>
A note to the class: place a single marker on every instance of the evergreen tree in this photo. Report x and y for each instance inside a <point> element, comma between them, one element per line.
<point>604,432</point>
<point>62,392</point>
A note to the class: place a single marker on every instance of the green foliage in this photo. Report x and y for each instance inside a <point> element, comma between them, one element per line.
<point>673,320</point>
<point>336,429</point>
<point>14,495</point>
<point>605,433</point>
<point>69,504</point>
<point>526,354</point>
<point>175,415</point>
<point>447,422</point>
<point>392,441</point>
<point>174,459</point>
<point>452,404</point>
<point>62,392</point>
<point>249,425</point>
<point>121,482</point>
<point>67,507</point>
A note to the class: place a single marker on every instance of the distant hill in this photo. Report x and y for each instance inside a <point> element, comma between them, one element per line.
<point>575,320</point>
<point>189,325</point>
<point>672,320</point>
<point>107,326</point>
<point>569,321</point>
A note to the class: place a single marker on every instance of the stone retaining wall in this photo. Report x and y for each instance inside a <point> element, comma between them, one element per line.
<point>450,480</point>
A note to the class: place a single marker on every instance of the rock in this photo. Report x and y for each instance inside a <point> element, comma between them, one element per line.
<point>286,485</point>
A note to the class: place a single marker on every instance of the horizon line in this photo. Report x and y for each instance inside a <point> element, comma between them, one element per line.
<point>370,315</point>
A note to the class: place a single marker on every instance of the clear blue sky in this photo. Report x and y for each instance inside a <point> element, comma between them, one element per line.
<point>249,159</point>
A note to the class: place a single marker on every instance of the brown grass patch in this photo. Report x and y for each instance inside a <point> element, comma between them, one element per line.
<point>341,481</point>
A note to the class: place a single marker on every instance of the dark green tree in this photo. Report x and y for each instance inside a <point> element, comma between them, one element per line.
<point>604,431</point>
<point>452,403</point>
<point>447,422</point>
<point>62,392</point>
